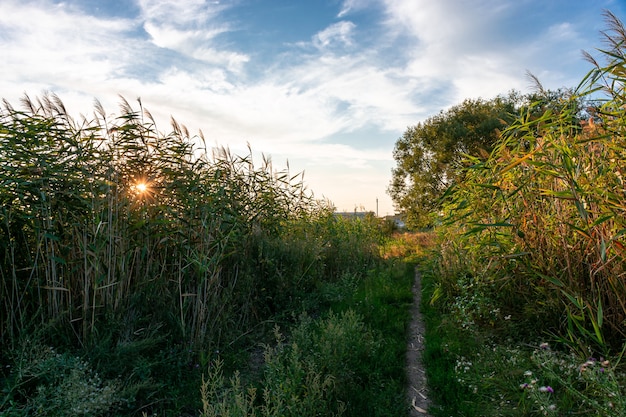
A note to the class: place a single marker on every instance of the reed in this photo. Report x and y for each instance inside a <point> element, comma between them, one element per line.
<point>108,223</point>
<point>541,220</point>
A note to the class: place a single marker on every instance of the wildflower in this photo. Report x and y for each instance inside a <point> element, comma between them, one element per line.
<point>524,385</point>
<point>528,373</point>
<point>544,346</point>
<point>547,388</point>
<point>552,407</point>
<point>590,363</point>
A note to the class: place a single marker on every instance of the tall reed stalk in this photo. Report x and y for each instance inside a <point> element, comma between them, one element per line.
<point>544,215</point>
<point>107,224</point>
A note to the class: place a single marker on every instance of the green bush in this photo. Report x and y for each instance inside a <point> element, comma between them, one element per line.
<point>541,219</point>
<point>531,247</point>
<point>47,383</point>
<point>337,364</point>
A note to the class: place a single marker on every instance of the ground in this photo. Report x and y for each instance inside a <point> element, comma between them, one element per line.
<point>417,391</point>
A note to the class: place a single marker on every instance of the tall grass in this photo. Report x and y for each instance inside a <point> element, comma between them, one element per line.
<point>540,223</point>
<point>82,241</point>
<point>145,251</point>
<point>348,360</point>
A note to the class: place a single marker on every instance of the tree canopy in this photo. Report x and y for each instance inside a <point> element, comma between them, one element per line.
<point>430,154</point>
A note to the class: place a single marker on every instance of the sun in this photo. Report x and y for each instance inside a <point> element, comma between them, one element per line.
<point>141,187</point>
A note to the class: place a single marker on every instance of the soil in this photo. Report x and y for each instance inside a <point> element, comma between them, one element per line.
<point>417,392</point>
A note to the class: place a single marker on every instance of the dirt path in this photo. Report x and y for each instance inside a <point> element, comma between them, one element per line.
<point>417,392</point>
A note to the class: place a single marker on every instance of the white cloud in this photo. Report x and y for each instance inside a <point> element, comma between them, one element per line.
<point>469,47</point>
<point>183,13</point>
<point>563,31</point>
<point>346,7</point>
<point>350,6</point>
<point>190,27</point>
<point>55,47</point>
<point>340,32</point>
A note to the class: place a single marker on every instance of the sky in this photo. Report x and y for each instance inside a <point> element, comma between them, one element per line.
<point>326,85</point>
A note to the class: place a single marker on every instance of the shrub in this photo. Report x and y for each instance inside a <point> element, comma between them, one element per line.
<point>45,382</point>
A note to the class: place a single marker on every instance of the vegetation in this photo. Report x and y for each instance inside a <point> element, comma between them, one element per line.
<point>141,274</point>
<point>139,270</point>
<point>349,361</point>
<point>528,286</point>
<point>429,155</point>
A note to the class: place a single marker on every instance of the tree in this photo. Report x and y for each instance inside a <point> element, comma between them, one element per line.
<point>429,155</point>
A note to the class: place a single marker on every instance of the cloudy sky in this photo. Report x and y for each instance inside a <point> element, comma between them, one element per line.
<point>328,85</point>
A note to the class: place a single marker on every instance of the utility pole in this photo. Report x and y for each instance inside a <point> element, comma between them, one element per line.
<point>376,206</point>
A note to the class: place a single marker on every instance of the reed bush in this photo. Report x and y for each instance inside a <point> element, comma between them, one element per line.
<point>98,214</point>
<point>146,252</point>
<point>541,220</point>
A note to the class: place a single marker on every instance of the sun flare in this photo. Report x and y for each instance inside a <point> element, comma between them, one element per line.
<point>141,187</point>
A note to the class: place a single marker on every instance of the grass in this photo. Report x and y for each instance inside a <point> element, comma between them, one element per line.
<point>383,300</point>
<point>481,372</point>
<point>347,360</point>
<point>469,373</point>
<point>133,261</point>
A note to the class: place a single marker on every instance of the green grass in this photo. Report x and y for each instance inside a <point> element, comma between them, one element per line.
<point>483,370</point>
<point>131,293</point>
<point>347,360</point>
<point>384,299</point>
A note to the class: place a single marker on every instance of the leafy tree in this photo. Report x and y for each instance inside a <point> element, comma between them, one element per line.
<point>429,155</point>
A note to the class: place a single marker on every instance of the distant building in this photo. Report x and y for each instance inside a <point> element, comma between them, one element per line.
<point>354,214</point>
<point>397,219</point>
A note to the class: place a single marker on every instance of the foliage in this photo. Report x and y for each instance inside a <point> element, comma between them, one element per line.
<point>292,386</point>
<point>146,254</point>
<point>474,371</point>
<point>546,211</point>
<point>595,386</point>
<point>430,155</point>
<point>531,247</point>
<point>45,382</point>
<point>347,361</point>
<point>408,245</point>
<point>79,232</point>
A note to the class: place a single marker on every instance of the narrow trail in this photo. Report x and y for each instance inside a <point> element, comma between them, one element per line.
<point>417,392</point>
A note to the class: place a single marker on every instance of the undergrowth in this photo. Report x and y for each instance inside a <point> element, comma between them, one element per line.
<point>133,262</point>
<point>348,361</point>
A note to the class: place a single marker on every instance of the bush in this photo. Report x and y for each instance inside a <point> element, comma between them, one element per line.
<point>44,382</point>
<point>540,219</point>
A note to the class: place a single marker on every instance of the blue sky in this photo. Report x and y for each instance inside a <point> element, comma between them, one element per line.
<point>328,85</point>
